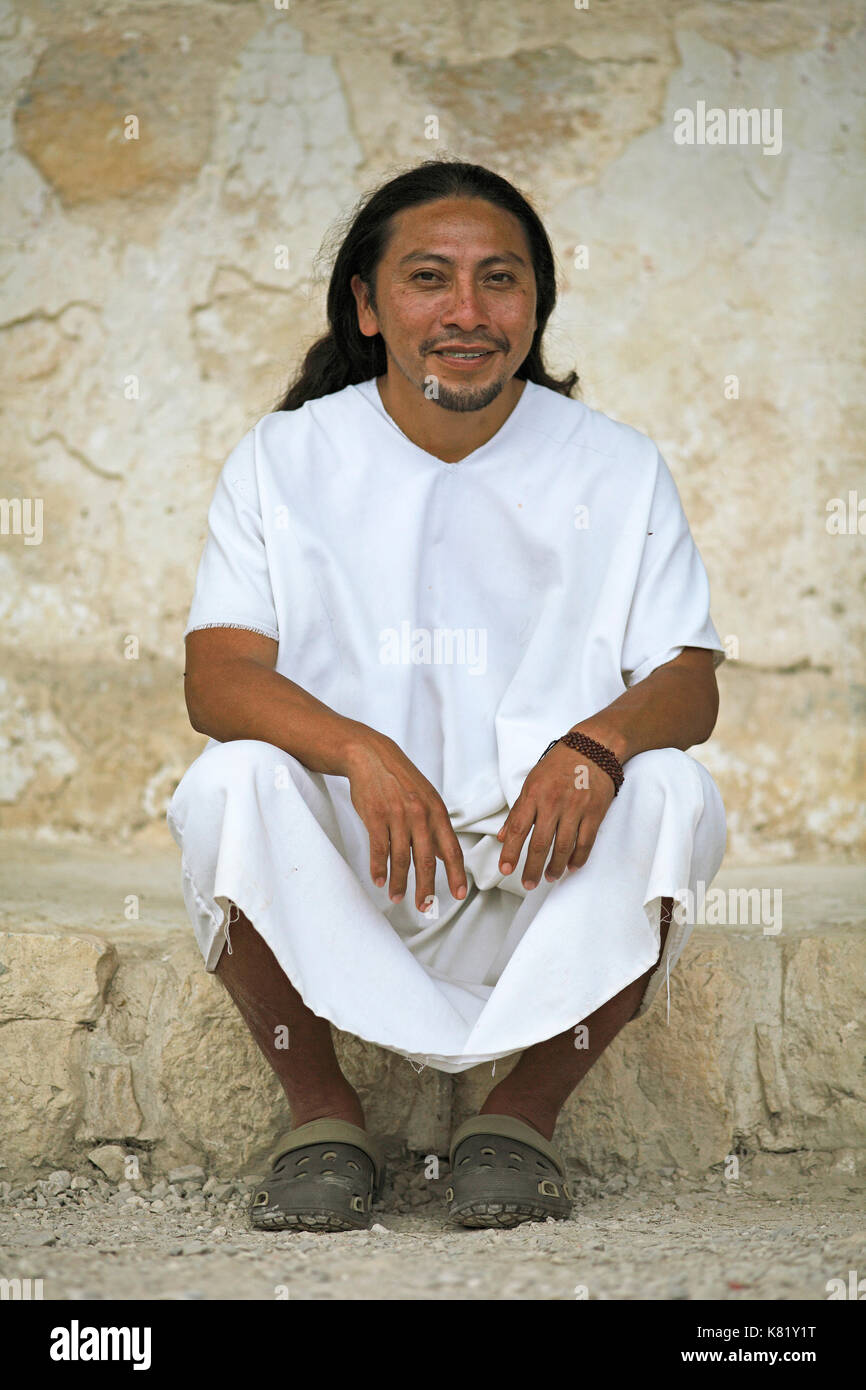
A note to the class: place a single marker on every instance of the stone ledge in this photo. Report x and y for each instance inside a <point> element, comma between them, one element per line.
<point>112,1032</point>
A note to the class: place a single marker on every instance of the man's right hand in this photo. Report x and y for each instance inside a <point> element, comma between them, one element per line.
<point>233,691</point>
<point>405,818</point>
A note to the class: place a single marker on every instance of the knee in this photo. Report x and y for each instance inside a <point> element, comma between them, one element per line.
<point>663,772</point>
<point>659,763</point>
<point>226,765</point>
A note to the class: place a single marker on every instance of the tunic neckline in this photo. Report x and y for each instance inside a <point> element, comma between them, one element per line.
<point>369,391</point>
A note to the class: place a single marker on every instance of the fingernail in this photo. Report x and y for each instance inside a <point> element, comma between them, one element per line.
<point>461,891</point>
<point>396,897</point>
<point>530,883</point>
<point>505,868</point>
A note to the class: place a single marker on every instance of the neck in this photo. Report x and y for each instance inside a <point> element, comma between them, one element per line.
<point>449,435</point>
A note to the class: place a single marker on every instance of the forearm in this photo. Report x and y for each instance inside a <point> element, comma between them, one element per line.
<point>241,698</point>
<point>674,707</point>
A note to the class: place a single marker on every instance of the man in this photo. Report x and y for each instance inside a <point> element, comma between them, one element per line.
<point>423,570</point>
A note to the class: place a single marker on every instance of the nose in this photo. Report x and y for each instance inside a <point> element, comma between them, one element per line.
<point>465,309</point>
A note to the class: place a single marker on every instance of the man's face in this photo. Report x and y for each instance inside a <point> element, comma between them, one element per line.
<point>457,274</point>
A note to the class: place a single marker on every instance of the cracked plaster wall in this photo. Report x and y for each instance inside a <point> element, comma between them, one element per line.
<point>144,327</point>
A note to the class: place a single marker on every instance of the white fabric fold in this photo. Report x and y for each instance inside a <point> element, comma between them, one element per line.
<point>502,969</point>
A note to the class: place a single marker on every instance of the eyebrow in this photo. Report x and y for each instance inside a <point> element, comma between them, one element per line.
<point>448,260</point>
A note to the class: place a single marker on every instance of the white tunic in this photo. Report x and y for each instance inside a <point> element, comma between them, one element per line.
<point>473,612</point>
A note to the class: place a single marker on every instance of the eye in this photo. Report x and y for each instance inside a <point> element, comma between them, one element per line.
<point>495,275</point>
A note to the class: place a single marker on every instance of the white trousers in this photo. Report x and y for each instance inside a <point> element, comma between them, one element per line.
<point>475,980</point>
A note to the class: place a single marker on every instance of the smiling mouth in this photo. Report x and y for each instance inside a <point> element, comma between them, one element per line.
<point>458,355</point>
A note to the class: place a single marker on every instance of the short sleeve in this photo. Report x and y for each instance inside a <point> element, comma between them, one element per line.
<point>233,585</point>
<point>670,607</point>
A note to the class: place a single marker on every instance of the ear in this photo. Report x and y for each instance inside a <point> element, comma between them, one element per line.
<point>368,322</point>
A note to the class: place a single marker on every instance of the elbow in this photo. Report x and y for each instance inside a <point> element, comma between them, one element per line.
<point>195,707</point>
<point>199,725</point>
<point>710,713</point>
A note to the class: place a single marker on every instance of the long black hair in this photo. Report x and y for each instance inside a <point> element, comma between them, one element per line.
<point>344,356</point>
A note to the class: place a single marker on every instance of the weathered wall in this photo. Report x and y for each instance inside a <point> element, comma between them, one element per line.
<point>145,326</point>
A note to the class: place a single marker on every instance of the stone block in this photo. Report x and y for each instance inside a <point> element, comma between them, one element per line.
<point>41,1096</point>
<point>54,975</point>
<point>110,1107</point>
<point>147,1054</point>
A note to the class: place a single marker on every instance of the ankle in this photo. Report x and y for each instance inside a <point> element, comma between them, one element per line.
<point>330,1112</point>
<point>530,1112</point>
<point>343,1105</point>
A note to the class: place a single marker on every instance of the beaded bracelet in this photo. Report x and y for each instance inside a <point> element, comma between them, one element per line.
<point>596,752</point>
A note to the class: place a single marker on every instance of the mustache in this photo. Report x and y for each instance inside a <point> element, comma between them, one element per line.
<point>490,347</point>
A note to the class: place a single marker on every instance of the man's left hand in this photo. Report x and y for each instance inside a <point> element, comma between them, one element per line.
<point>565,797</point>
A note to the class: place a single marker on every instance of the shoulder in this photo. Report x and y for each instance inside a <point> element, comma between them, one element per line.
<point>566,421</point>
<point>325,412</point>
<point>571,424</point>
<point>287,443</point>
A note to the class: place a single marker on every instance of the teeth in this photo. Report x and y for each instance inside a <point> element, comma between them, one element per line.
<point>464,354</point>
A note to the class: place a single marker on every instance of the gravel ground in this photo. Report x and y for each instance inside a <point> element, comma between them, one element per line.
<point>661,1236</point>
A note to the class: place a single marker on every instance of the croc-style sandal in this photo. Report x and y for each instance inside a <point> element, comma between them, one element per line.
<point>325,1176</point>
<point>504,1172</point>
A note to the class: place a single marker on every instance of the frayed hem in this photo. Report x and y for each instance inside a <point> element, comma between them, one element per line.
<point>246,627</point>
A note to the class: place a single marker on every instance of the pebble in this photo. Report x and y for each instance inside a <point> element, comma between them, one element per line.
<point>111,1159</point>
<point>625,1220</point>
<point>190,1173</point>
<point>36,1239</point>
<point>56,1182</point>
